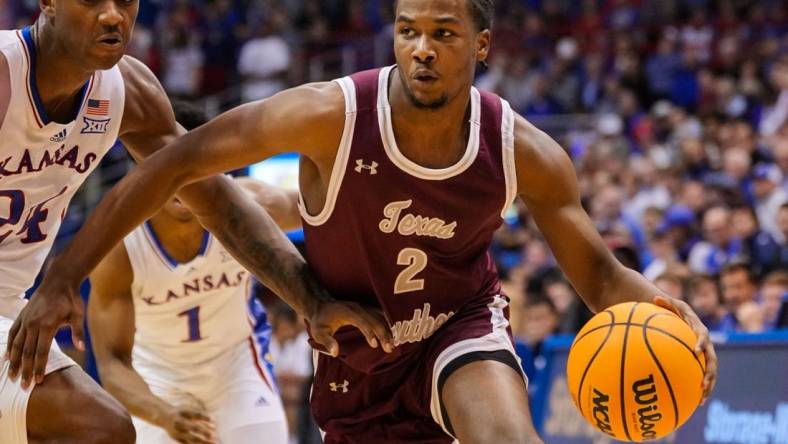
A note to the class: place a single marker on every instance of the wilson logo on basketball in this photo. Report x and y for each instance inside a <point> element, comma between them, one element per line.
<point>648,416</point>
<point>601,412</point>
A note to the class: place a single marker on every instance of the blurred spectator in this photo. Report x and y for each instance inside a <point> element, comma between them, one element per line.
<point>606,210</point>
<point>775,116</point>
<point>572,312</point>
<point>769,196</point>
<point>782,222</point>
<point>705,297</point>
<point>662,66</point>
<point>541,102</point>
<point>774,292</point>
<point>664,255</point>
<point>183,62</point>
<point>678,227</point>
<point>780,151</point>
<point>292,358</point>
<point>6,14</point>
<point>759,247</point>
<point>697,35</point>
<point>540,320</point>
<point>219,22</point>
<point>672,284</point>
<point>265,60</point>
<point>646,190</point>
<point>750,318</point>
<point>719,246</point>
<point>738,286</point>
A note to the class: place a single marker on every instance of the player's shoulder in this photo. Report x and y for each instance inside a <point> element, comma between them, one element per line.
<point>313,113</point>
<point>533,143</point>
<point>137,76</point>
<point>145,96</point>
<point>319,100</point>
<point>541,163</point>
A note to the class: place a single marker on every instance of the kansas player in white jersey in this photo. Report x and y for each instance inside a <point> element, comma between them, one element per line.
<point>66,93</point>
<point>179,338</point>
<point>44,158</point>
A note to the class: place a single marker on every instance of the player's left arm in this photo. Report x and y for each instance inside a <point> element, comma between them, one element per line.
<point>219,202</point>
<point>280,203</point>
<point>546,181</point>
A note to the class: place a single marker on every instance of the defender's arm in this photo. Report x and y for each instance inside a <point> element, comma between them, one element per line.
<point>111,322</point>
<point>278,202</point>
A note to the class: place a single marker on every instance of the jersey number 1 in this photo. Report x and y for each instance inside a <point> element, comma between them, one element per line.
<point>193,317</point>
<point>415,261</point>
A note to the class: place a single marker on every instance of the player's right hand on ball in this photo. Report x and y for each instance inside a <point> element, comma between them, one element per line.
<point>189,426</point>
<point>30,338</point>
<point>331,315</point>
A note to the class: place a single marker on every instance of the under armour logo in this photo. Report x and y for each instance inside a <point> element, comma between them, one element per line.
<point>360,166</point>
<point>335,387</point>
<point>95,126</point>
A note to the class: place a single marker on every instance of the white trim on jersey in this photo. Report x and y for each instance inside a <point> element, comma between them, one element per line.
<point>507,141</point>
<point>409,166</point>
<point>496,340</point>
<point>340,162</point>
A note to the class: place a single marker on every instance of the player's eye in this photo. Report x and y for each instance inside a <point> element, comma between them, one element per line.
<point>407,32</point>
<point>444,33</point>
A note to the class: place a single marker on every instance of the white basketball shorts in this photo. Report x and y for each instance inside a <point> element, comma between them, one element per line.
<point>13,399</point>
<point>236,390</point>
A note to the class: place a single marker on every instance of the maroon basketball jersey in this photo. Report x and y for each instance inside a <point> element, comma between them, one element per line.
<point>411,239</point>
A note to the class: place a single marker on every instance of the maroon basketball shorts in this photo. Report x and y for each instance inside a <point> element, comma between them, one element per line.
<point>397,399</point>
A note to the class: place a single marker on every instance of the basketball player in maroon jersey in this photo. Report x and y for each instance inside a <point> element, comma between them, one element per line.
<point>405,172</point>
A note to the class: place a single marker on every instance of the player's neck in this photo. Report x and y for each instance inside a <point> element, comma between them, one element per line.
<point>433,138</point>
<point>181,240</point>
<point>58,77</point>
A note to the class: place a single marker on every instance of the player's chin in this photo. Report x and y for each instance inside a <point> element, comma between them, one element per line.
<point>429,102</point>
<point>106,58</point>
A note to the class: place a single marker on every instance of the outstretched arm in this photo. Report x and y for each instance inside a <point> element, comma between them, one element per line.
<point>306,119</point>
<point>547,183</point>
<point>111,320</point>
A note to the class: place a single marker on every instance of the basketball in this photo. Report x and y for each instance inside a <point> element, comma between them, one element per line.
<point>633,373</point>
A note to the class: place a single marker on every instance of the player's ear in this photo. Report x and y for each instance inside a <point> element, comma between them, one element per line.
<point>47,7</point>
<point>482,45</point>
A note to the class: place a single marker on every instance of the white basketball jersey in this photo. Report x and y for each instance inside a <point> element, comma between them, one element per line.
<point>43,163</point>
<point>190,313</point>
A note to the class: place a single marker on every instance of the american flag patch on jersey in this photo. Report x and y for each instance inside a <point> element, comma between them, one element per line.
<point>97,107</point>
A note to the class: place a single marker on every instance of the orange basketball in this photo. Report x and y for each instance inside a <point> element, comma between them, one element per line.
<point>633,372</point>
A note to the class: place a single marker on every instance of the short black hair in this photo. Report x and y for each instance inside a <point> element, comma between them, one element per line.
<point>188,114</point>
<point>482,12</point>
<point>737,265</point>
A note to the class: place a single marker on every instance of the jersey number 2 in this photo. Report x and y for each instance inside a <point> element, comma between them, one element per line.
<point>193,317</point>
<point>415,261</point>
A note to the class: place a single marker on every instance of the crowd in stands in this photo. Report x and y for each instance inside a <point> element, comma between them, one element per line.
<point>682,153</point>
